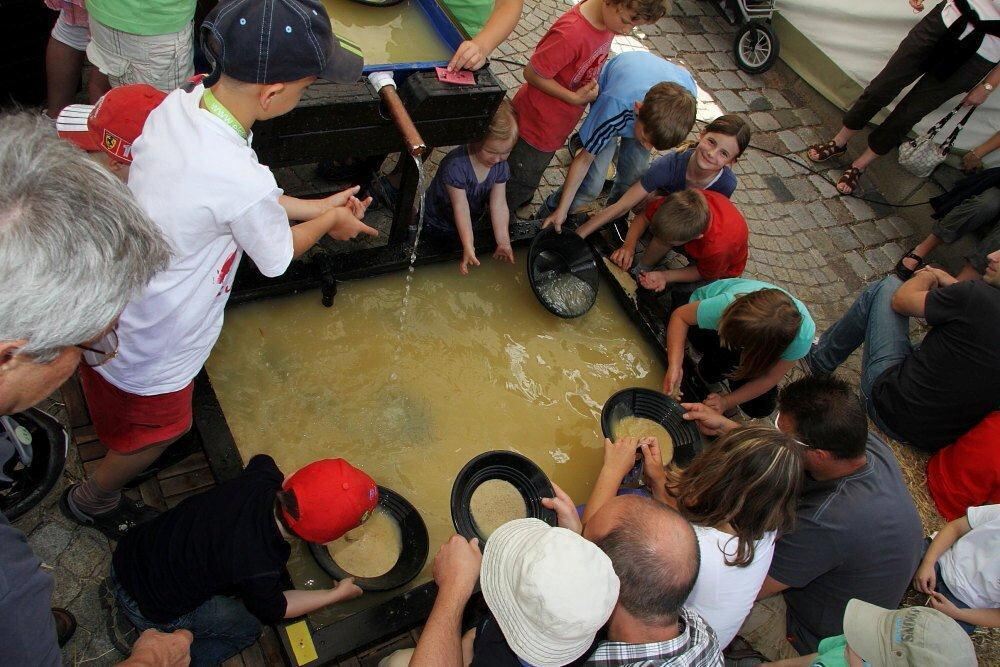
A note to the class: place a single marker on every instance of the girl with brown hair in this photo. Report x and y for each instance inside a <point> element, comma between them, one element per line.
<point>739,494</point>
<point>748,331</point>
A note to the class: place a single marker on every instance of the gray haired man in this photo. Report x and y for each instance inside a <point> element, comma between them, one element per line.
<point>74,247</point>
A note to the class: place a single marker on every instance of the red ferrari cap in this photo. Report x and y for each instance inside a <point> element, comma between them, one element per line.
<point>333,497</point>
<point>113,124</point>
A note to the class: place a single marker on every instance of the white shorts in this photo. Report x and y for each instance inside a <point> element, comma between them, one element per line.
<point>76,37</point>
<point>162,61</point>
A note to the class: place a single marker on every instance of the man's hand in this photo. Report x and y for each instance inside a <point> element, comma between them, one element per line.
<point>456,567</point>
<point>504,253</point>
<point>925,579</point>
<point>654,280</point>
<point>619,456</point>
<point>468,55</point>
<point>623,257</point>
<point>346,589</point>
<point>468,259</point>
<point>346,226</point>
<point>708,421</point>
<point>586,93</point>
<point>555,219</point>
<point>161,649</point>
<point>943,278</point>
<point>565,509</point>
<point>653,473</point>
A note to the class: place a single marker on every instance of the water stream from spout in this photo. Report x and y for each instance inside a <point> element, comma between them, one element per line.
<point>421,194</point>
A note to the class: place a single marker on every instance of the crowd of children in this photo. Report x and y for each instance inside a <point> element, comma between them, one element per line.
<point>765,529</point>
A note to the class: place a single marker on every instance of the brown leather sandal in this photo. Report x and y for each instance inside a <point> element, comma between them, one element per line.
<point>825,151</point>
<point>849,181</point>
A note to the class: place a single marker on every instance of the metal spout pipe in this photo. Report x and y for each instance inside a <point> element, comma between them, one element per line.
<point>415,145</point>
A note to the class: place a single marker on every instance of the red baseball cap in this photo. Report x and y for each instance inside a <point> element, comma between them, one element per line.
<point>113,124</point>
<point>333,497</point>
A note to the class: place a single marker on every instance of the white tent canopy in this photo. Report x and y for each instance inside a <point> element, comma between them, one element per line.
<point>859,36</point>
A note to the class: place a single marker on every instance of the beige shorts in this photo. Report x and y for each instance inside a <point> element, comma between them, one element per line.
<point>162,61</point>
<point>766,628</point>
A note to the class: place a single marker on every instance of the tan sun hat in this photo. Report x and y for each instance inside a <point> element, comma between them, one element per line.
<point>549,589</point>
<point>911,637</point>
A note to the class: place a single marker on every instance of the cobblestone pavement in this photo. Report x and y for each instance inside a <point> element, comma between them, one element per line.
<point>821,247</point>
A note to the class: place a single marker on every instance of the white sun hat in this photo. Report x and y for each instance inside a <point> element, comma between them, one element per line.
<point>549,589</point>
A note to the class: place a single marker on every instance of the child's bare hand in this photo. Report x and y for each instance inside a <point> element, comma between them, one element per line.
<point>565,509</point>
<point>468,55</point>
<point>358,207</point>
<point>555,219</point>
<point>925,580</point>
<point>347,226</point>
<point>623,257</point>
<point>346,589</point>
<point>672,380</point>
<point>942,604</point>
<point>587,93</point>
<point>340,198</point>
<point>654,280</point>
<point>468,259</point>
<point>504,252</point>
<point>716,402</point>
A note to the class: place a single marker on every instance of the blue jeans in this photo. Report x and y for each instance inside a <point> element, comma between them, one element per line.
<point>632,163</point>
<point>222,626</point>
<point>871,321</point>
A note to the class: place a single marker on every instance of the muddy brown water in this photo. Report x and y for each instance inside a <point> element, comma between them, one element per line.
<point>481,366</point>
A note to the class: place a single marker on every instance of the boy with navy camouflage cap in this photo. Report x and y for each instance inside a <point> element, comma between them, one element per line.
<point>196,175</point>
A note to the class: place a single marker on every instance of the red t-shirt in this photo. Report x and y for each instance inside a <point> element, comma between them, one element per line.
<point>571,52</point>
<point>722,251</point>
<point>967,473</point>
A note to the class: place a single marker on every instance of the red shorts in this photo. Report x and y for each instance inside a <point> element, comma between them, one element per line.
<point>127,423</point>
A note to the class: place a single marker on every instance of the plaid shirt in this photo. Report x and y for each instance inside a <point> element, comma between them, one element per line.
<point>695,646</point>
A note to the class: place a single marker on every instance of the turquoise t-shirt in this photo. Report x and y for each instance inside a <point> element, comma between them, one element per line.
<point>143,17</point>
<point>472,14</point>
<point>831,652</point>
<point>715,297</point>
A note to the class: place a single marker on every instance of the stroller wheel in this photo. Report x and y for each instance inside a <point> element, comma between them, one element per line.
<point>755,47</point>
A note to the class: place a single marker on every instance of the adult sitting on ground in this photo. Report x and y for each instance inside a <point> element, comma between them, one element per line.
<point>857,532</point>
<point>548,591</point>
<point>74,248</point>
<point>972,206</point>
<point>926,396</point>
<point>953,49</point>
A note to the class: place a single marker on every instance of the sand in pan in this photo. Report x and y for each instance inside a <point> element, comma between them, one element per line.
<point>494,503</point>
<point>640,427</point>
<point>371,549</point>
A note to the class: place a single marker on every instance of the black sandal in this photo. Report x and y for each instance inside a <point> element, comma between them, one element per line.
<point>905,273</point>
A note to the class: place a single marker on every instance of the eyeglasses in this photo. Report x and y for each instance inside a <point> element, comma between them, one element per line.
<point>101,351</point>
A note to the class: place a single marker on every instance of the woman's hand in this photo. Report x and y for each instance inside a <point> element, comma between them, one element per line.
<point>971,162</point>
<point>918,5</point>
<point>975,97</point>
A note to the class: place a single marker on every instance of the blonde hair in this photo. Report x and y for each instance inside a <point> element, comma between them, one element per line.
<point>750,478</point>
<point>503,125</point>
<point>667,114</point>
<point>760,325</point>
<point>682,217</point>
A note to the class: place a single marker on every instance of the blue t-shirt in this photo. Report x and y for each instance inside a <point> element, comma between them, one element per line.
<point>715,297</point>
<point>624,81</point>
<point>456,170</point>
<point>669,174</point>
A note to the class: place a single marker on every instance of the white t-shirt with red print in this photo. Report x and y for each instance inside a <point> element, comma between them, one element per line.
<point>203,186</point>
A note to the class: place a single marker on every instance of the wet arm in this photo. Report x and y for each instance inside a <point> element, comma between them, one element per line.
<point>500,214</point>
<point>574,177</point>
<point>306,234</point>
<point>632,196</point>
<point>681,320</point>
<point>758,386</point>
<point>463,218</point>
